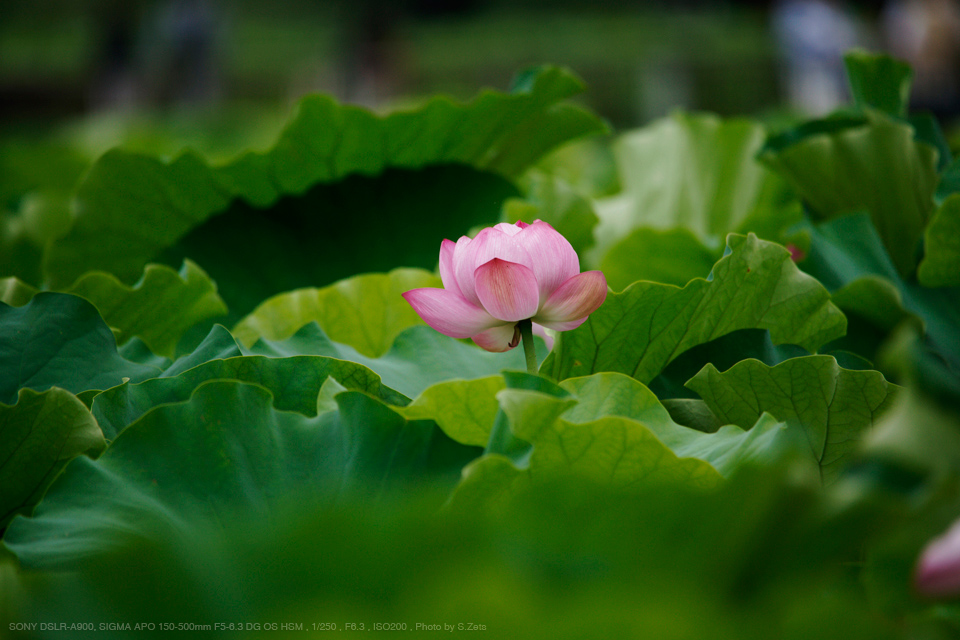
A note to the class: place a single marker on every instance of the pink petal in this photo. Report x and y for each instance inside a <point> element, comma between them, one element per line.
<point>573,301</point>
<point>554,260</point>
<point>490,243</point>
<point>447,249</point>
<point>509,229</point>
<point>507,290</point>
<point>500,338</point>
<point>938,572</point>
<point>448,312</point>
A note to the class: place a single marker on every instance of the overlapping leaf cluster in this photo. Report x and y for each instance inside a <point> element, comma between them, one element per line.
<point>714,453</point>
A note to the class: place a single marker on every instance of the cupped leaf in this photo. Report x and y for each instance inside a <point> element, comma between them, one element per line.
<point>420,357</point>
<point>695,171</point>
<point>366,312</point>
<point>941,261</point>
<point>224,457</point>
<point>833,406</point>
<point>876,165</point>
<point>38,436</point>
<point>640,331</point>
<point>152,204</point>
<point>59,340</point>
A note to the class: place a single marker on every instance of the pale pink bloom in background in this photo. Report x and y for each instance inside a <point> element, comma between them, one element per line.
<point>938,571</point>
<point>508,273</point>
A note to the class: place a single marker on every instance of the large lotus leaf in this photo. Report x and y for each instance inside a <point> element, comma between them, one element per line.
<point>59,340</point>
<point>876,165</point>
<point>640,331</point>
<point>550,199</point>
<point>420,357</point>
<point>833,406</point>
<point>228,456</point>
<point>614,394</point>
<point>671,256</point>
<point>695,171</point>
<point>294,383</point>
<point>366,312</point>
<point>152,204</point>
<point>941,261</point>
<point>848,249</point>
<point>38,436</point>
<point>333,231</point>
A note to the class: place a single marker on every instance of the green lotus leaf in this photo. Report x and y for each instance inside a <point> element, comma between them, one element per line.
<point>671,256</point>
<point>941,262</point>
<point>464,409</point>
<point>419,358</point>
<point>366,312</point>
<point>847,249</point>
<point>550,199</point>
<point>879,82</point>
<point>158,309</point>
<point>833,406</point>
<point>614,394</point>
<point>641,330</point>
<point>875,165</point>
<point>694,171</point>
<point>337,178</point>
<point>16,292</point>
<point>59,340</point>
<point>225,457</point>
<point>294,383</point>
<point>38,436</point>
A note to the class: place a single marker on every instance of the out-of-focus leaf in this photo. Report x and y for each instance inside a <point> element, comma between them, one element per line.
<point>59,340</point>
<point>224,457</point>
<point>847,249</point>
<point>833,406</point>
<point>877,166</point>
<point>550,199</point>
<point>366,312</point>
<point>671,256</point>
<point>154,205</point>
<point>879,82</point>
<point>694,171</point>
<point>38,436</point>
<point>420,357</point>
<point>941,262</point>
<point>16,292</point>
<point>640,331</point>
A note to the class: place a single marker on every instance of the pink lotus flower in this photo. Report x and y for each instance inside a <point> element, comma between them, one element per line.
<point>508,273</point>
<point>938,571</point>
